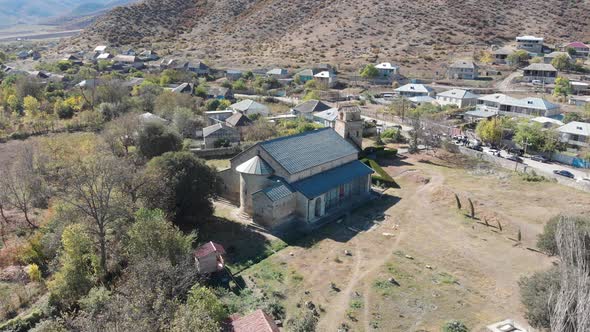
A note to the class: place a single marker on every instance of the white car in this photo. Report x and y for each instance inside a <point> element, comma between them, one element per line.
<point>537,82</point>
<point>584,180</point>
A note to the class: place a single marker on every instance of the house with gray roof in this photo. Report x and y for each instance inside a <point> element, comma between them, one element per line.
<point>575,134</point>
<point>278,73</point>
<point>506,105</point>
<point>530,44</point>
<point>298,181</point>
<point>544,72</point>
<point>305,75</point>
<point>387,70</point>
<point>414,90</point>
<point>458,97</point>
<point>462,70</point>
<point>306,109</point>
<point>220,135</point>
<point>250,107</point>
<point>501,55</point>
<point>326,118</point>
<point>549,57</point>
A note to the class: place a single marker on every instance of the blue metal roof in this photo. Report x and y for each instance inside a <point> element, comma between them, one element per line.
<point>303,151</point>
<point>279,190</point>
<point>323,182</point>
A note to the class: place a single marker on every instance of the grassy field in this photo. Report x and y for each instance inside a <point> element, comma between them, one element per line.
<point>412,260</point>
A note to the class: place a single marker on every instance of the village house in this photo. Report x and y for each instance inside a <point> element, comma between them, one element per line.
<point>414,90</point>
<point>458,97</point>
<point>548,122</point>
<point>387,71</point>
<point>582,50</point>
<point>305,75</point>
<point>543,72</point>
<point>575,134</point>
<point>209,258</point>
<point>326,118</point>
<point>304,178</point>
<point>308,108</point>
<point>580,88</point>
<point>278,73</point>
<point>530,44</point>
<point>320,67</point>
<point>73,59</point>
<point>218,116</point>
<point>579,101</point>
<point>186,88</point>
<point>220,135</point>
<point>462,70</point>
<point>250,107</point>
<point>258,321</point>
<point>104,56</point>
<point>198,68</point>
<point>421,100</point>
<point>100,49</point>
<point>326,79</point>
<point>240,122</point>
<point>219,92</point>
<point>233,74</point>
<point>129,59</point>
<point>501,55</point>
<point>548,58</point>
<point>502,104</point>
<point>148,55</point>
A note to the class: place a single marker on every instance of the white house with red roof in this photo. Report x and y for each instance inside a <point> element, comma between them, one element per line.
<point>209,257</point>
<point>582,50</point>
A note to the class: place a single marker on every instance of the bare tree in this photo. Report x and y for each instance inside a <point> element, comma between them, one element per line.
<point>571,310</point>
<point>93,187</point>
<point>120,134</point>
<point>21,186</point>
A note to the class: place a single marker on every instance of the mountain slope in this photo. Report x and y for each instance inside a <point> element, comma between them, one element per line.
<point>32,11</point>
<point>345,31</point>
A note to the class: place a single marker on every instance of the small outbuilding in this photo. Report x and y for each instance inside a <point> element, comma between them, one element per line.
<point>258,321</point>
<point>209,257</point>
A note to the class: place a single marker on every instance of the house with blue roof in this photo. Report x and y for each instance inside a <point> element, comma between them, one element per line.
<point>300,179</point>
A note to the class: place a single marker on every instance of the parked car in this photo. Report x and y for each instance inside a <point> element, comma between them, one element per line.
<point>584,180</point>
<point>475,147</point>
<point>518,152</point>
<point>537,82</point>
<point>565,173</point>
<point>514,158</point>
<point>540,158</point>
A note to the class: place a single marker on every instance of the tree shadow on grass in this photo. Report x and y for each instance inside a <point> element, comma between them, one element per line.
<point>244,246</point>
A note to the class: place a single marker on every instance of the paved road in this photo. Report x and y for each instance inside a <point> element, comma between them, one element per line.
<point>547,168</point>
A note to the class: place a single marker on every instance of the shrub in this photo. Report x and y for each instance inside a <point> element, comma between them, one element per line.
<point>546,240</point>
<point>34,273</point>
<point>535,292</point>
<point>454,326</point>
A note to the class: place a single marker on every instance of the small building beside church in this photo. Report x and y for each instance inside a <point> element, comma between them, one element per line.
<point>305,178</point>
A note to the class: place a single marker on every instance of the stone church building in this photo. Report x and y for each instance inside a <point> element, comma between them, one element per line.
<point>307,177</point>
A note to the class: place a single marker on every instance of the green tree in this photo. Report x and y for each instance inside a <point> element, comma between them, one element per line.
<point>489,131</point>
<point>186,122</point>
<point>78,266</point>
<point>202,298</point>
<point>155,139</point>
<point>239,85</point>
<point>311,95</point>
<point>561,62</point>
<point>518,58</point>
<point>152,236</point>
<point>571,116</point>
<point>31,106</point>
<point>530,135</point>
<point>369,71</point>
<point>562,87</point>
<point>180,184</point>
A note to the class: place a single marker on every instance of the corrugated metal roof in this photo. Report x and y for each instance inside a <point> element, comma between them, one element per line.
<point>279,190</point>
<point>457,93</point>
<point>311,106</point>
<point>413,87</point>
<point>255,165</point>
<point>540,67</point>
<point>323,182</point>
<point>303,151</point>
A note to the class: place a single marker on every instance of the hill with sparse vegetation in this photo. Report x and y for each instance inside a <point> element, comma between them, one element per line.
<point>250,32</point>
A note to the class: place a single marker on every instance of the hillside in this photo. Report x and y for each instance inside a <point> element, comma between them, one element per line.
<point>246,32</point>
<point>36,11</point>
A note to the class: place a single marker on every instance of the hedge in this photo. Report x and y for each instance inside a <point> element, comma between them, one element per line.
<point>381,175</point>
